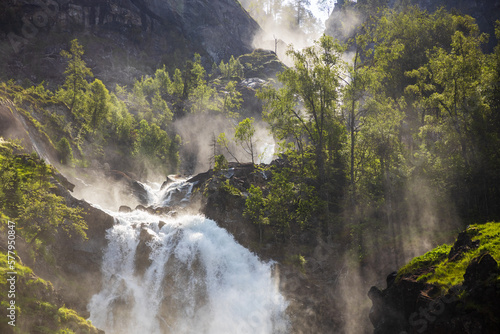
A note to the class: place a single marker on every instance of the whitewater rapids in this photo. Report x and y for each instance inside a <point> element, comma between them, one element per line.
<point>195,278</point>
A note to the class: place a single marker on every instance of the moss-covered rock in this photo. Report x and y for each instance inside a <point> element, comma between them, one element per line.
<point>261,63</point>
<point>451,289</point>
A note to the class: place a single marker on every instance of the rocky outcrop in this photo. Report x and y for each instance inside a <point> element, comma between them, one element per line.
<point>310,290</point>
<point>410,305</point>
<point>123,39</point>
<point>135,188</point>
<point>264,64</point>
<point>79,261</point>
<point>225,207</point>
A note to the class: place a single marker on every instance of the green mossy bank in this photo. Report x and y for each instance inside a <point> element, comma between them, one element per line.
<point>451,289</point>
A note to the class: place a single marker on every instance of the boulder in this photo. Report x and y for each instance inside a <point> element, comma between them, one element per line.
<point>125,209</point>
<point>480,269</point>
<point>463,244</point>
<point>143,251</point>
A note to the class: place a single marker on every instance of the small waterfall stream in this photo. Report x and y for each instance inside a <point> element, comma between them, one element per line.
<point>183,274</point>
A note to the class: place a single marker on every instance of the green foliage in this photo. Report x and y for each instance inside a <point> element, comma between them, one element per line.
<point>223,142</point>
<point>232,69</point>
<point>25,196</point>
<point>304,109</point>
<point>254,205</point>
<point>429,259</point>
<point>65,151</point>
<point>152,142</point>
<point>231,99</point>
<point>281,196</point>
<point>177,84</point>
<point>220,163</point>
<point>98,103</point>
<point>75,85</point>
<point>244,136</point>
<point>228,188</point>
<point>44,213</point>
<point>254,208</point>
<point>261,64</point>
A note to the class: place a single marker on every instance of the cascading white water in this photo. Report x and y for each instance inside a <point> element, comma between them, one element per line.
<point>183,275</point>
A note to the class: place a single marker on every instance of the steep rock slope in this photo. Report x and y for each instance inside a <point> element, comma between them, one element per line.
<point>122,38</point>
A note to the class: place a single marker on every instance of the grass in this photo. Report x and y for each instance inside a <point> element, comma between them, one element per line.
<point>434,257</point>
<point>447,274</point>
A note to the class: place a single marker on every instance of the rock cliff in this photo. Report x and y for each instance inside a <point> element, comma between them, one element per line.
<point>122,38</point>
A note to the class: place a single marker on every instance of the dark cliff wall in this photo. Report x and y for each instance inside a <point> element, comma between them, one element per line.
<point>122,38</point>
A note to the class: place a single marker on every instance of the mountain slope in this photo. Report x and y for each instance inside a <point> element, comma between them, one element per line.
<point>123,39</point>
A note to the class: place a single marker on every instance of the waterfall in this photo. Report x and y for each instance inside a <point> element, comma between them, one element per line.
<point>183,274</point>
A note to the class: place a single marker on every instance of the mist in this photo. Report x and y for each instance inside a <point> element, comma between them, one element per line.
<point>199,134</point>
<point>279,34</point>
<point>420,220</point>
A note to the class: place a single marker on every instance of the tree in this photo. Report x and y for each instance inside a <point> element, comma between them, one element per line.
<point>450,83</point>
<point>326,6</point>
<point>26,197</point>
<point>302,10</point>
<point>64,151</point>
<point>231,99</point>
<point>152,141</point>
<point>263,11</point>
<point>224,143</point>
<point>177,84</point>
<point>304,111</point>
<point>254,208</point>
<point>98,103</point>
<point>46,213</point>
<point>396,42</point>
<point>231,69</point>
<point>280,200</point>
<point>305,106</point>
<point>354,90</point>
<point>160,107</point>
<point>75,85</point>
<point>244,136</point>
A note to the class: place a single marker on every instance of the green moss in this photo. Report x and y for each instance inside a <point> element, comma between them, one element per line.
<point>72,320</point>
<point>447,274</point>
<point>431,258</point>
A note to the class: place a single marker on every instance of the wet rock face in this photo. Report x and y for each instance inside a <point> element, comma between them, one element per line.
<point>122,38</point>
<point>143,252</point>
